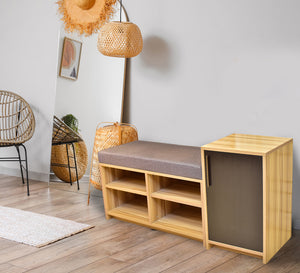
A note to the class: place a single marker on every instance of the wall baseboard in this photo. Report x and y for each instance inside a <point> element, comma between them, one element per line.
<point>54,178</point>
<point>296,224</point>
<point>44,177</point>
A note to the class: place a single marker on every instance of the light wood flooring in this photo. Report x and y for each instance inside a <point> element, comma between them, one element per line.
<point>113,245</point>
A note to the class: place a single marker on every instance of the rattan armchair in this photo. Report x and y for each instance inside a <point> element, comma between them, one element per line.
<point>17,126</point>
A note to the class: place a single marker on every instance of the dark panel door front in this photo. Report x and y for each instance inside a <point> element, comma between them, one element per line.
<point>234,199</point>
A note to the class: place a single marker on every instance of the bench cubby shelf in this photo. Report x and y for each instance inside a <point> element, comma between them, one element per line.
<point>125,205</point>
<point>176,190</point>
<point>121,180</point>
<point>178,218</point>
<point>159,201</point>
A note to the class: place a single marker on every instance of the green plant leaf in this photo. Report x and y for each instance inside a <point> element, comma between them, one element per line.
<point>71,121</point>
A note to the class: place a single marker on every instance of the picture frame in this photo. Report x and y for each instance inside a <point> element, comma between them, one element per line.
<point>70,59</point>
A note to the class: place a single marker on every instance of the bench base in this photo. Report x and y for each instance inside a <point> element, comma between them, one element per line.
<point>159,201</point>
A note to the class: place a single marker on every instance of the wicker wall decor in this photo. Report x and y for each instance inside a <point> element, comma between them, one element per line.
<point>120,39</point>
<point>85,16</point>
<point>59,157</point>
<point>108,135</point>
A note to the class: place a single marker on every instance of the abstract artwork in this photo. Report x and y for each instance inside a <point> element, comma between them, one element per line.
<point>70,59</point>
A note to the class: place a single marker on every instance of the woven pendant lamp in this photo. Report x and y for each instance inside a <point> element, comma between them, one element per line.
<point>120,39</point>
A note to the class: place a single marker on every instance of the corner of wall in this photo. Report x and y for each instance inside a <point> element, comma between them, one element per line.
<point>44,177</point>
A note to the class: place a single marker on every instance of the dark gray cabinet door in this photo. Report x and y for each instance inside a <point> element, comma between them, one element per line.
<point>235,199</point>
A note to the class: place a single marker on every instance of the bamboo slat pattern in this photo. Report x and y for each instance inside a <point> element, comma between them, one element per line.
<point>17,121</point>
<point>246,144</point>
<point>278,199</point>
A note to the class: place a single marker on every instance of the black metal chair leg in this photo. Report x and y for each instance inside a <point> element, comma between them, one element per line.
<point>75,165</point>
<point>69,165</point>
<point>26,168</point>
<point>21,168</point>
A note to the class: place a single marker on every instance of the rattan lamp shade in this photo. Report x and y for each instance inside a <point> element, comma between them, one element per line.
<point>120,39</point>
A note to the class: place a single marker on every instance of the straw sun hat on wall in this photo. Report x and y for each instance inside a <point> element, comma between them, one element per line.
<point>85,16</point>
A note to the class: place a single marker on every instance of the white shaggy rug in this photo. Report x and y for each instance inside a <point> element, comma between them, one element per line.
<point>35,229</point>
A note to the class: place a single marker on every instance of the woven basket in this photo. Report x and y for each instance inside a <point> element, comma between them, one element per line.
<point>59,156</point>
<point>109,135</point>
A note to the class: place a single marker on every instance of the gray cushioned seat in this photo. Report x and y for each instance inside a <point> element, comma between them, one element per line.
<point>156,157</point>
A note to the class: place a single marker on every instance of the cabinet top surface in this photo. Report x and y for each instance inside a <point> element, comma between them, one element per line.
<point>247,144</point>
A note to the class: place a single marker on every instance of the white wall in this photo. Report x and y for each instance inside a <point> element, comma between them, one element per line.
<point>212,67</point>
<point>28,54</point>
<point>209,68</point>
<point>96,96</point>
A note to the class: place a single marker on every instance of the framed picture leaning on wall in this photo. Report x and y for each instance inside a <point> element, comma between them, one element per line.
<point>70,59</point>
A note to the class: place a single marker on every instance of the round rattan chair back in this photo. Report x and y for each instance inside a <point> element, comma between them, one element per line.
<point>17,121</point>
<point>63,134</point>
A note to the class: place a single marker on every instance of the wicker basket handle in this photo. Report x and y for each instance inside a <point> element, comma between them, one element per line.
<point>115,123</point>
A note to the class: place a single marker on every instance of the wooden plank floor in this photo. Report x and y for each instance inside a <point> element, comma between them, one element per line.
<point>113,245</point>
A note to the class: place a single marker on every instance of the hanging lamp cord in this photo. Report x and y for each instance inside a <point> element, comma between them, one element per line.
<point>121,5</point>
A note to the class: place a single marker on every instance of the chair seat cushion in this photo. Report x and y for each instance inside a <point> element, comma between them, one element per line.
<point>171,159</point>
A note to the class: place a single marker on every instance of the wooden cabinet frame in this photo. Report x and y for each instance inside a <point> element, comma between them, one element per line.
<point>277,168</point>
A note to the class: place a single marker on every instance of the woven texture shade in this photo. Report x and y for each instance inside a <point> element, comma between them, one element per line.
<point>120,39</point>
<point>109,135</point>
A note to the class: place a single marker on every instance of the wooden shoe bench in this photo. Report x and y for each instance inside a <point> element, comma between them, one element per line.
<point>233,193</point>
